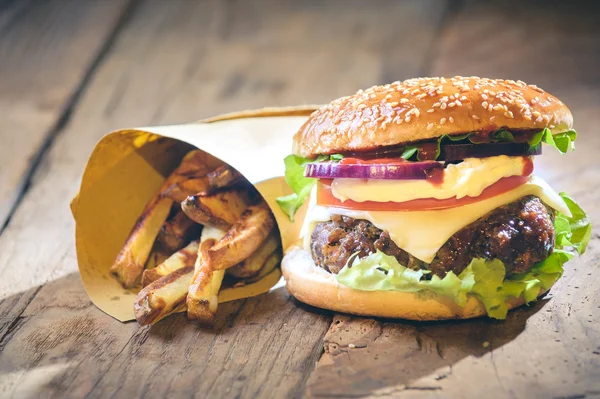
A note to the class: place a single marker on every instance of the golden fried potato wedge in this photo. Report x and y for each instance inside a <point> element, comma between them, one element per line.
<point>220,210</point>
<point>177,232</point>
<point>129,263</point>
<point>222,177</point>
<point>183,258</point>
<point>180,191</point>
<point>270,264</point>
<point>163,296</point>
<point>243,238</point>
<point>252,265</point>
<point>202,299</point>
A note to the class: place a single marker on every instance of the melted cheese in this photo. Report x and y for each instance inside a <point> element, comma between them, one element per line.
<point>468,178</point>
<point>422,233</point>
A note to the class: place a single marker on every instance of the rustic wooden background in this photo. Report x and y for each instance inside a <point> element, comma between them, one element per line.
<point>71,71</point>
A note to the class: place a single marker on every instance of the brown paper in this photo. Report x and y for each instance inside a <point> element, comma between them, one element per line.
<point>128,166</point>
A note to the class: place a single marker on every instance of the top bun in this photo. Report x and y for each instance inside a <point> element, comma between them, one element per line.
<point>427,108</point>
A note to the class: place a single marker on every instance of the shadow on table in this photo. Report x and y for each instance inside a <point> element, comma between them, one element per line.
<point>367,356</point>
<point>383,354</point>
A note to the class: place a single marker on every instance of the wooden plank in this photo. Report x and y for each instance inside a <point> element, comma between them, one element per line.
<point>46,50</point>
<point>176,62</point>
<point>550,349</point>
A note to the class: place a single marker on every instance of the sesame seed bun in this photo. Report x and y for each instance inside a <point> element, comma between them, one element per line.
<point>319,288</point>
<point>427,108</point>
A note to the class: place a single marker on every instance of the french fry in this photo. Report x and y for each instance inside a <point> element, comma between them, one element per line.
<point>252,265</point>
<point>220,210</point>
<point>271,263</point>
<point>163,297</point>
<point>243,238</point>
<point>177,232</point>
<point>183,258</point>
<point>202,299</point>
<point>180,191</point>
<point>129,263</point>
<point>222,177</point>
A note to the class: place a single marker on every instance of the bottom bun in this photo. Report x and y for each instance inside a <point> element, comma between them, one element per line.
<point>317,287</point>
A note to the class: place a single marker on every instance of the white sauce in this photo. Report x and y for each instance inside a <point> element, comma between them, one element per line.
<point>468,178</point>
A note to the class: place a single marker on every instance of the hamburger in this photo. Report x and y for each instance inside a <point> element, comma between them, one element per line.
<point>423,204</point>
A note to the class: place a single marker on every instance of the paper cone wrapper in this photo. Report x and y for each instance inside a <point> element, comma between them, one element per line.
<point>128,166</point>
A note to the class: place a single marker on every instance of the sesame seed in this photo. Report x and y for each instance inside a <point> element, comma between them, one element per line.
<point>484,104</point>
<point>436,105</point>
<point>538,120</point>
<point>430,110</point>
<point>351,346</point>
<point>442,121</point>
<point>417,112</point>
<point>484,96</point>
<point>475,117</point>
<point>463,98</point>
<point>451,119</point>
<point>407,119</point>
<point>388,96</point>
<point>429,126</point>
<point>443,106</point>
<point>393,104</point>
<point>451,105</point>
<point>404,100</point>
<point>492,118</point>
<point>509,114</point>
<point>498,107</point>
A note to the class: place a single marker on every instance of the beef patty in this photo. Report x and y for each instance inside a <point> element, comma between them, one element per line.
<point>520,234</point>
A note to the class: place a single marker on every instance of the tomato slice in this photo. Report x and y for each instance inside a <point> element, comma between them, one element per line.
<point>325,197</point>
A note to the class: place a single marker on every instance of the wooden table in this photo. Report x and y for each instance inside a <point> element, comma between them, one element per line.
<point>71,71</point>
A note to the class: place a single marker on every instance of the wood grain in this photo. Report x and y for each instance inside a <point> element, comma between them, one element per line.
<point>173,62</point>
<point>46,51</point>
<point>73,348</point>
<point>551,349</point>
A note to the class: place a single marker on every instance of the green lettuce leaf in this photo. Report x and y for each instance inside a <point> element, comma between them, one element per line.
<point>294,177</point>
<point>409,151</point>
<point>574,231</point>
<point>563,142</point>
<point>484,279</point>
<point>380,272</point>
